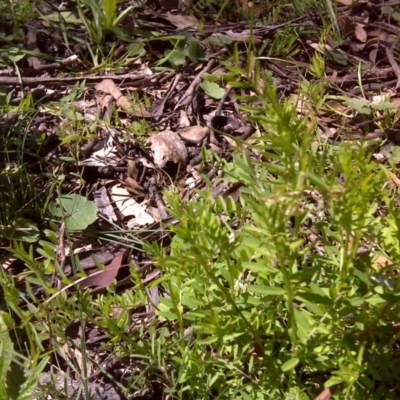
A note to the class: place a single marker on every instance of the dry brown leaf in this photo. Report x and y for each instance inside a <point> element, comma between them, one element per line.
<point>357,47</point>
<point>103,203</point>
<point>303,105</point>
<point>108,86</point>
<point>194,134</point>
<point>242,37</point>
<point>129,207</point>
<point>183,119</point>
<point>395,179</point>
<point>337,106</point>
<point>32,45</point>
<point>167,146</point>
<point>133,172</point>
<point>105,105</point>
<point>360,33</point>
<point>134,187</point>
<point>383,261</point>
<point>372,55</point>
<point>104,278</point>
<point>182,21</point>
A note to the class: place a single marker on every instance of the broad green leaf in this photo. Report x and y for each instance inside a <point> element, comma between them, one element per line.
<point>16,54</point>
<point>22,230</point>
<point>220,40</point>
<point>375,299</point>
<point>387,10</point>
<point>15,381</point>
<point>384,105</point>
<point>359,105</point>
<point>196,52</point>
<point>356,301</point>
<point>212,89</point>
<point>177,57</point>
<point>76,210</point>
<point>395,154</point>
<point>136,49</point>
<point>259,266</point>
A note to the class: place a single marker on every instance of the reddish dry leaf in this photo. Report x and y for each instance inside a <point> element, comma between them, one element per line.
<point>133,187</point>
<point>183,119</point>
<point>102,279</point>
<point>327,393</point>
<point>351,2</point>
<point>131,179</point>
<point>382,261</point>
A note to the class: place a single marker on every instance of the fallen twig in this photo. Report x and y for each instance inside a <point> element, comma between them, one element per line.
<point>188,95</point>
<point>131,79</point>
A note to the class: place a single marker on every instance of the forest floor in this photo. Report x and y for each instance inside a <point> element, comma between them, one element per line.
<point>200,199</point>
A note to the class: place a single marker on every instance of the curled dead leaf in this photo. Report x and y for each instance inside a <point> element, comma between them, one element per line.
<point>167,146</point>
<point>194,134</point>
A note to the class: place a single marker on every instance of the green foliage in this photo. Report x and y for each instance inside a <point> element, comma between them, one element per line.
<point>16,381</point>
<point>76,211</point>
<point>212,89</point>
<point>185,47</point>
<point>277,295</point>
<point>23,230</point>
<point>273,312</point>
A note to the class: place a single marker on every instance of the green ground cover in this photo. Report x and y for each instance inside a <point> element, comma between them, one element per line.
<point>248,242</point>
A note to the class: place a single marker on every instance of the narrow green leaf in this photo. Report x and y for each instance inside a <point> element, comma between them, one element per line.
<point>290,364</point>
<point>268,290</point>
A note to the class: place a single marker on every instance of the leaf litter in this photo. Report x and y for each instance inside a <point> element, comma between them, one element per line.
<point>177,86</point>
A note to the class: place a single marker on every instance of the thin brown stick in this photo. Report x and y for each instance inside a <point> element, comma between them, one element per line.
<point>134,80</point>
<point>390,56</point>
<point>188,95</point>
<point>53,66</point>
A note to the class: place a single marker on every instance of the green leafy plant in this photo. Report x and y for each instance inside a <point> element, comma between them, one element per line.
<point>278,316</point>
<point>76,211</point>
